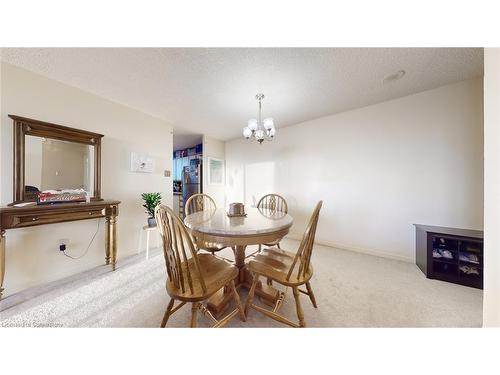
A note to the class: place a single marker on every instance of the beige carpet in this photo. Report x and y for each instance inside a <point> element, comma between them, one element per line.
<point>352,290</point>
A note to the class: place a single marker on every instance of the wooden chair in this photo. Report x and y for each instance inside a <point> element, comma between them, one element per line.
<point>288,269</point>
<point>202,202</point>
<point>195,278</point>
<point>273,202</point>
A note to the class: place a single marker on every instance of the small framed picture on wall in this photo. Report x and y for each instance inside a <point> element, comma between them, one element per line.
<point>215,171</point>
<point>141,162</point>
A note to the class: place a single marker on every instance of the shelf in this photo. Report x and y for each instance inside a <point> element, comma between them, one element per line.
<point>475,244</point>
<point>470,264</point>
<point>457,241</point>
<point>472,280</point>
<point>445,277</point>
<point>445,243</point>
<point>444,260</point>
<point>470,275</point>
<point>445,268</point>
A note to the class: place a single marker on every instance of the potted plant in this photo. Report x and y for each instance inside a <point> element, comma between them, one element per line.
<point>151,200</point>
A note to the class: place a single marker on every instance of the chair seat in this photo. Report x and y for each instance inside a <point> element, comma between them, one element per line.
<point>274,263</point>
<point>216,273</point>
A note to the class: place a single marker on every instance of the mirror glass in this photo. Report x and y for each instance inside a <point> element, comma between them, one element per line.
<point>51,164</point>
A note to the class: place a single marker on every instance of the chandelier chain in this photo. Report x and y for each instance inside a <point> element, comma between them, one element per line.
<point>260,110</point>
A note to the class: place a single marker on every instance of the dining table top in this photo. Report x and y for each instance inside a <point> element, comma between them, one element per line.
<point>256,222</point>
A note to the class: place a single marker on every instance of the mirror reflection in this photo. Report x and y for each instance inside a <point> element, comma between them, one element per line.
<point>51,164</point>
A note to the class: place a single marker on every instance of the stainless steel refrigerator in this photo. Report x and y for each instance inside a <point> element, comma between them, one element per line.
<point>191,181</point>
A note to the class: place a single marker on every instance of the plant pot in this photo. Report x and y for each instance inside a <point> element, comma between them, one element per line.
<point>151,222</point>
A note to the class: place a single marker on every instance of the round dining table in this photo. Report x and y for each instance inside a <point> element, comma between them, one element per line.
<point>258,226</point>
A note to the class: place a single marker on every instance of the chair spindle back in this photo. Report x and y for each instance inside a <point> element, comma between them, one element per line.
<point>199,202</point>
<point>303,256</point>
<point>177,244</point>
<point>273,202</point>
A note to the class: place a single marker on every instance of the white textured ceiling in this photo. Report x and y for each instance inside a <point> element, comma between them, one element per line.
<point>211,90</point>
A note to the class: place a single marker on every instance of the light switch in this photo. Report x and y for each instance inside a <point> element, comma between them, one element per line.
<point>166,173</point>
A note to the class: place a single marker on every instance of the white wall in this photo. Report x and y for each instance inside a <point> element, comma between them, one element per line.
<point>378,169</point>
<point>32,254</point>
<point>491,299</point>
<point>216,149</point>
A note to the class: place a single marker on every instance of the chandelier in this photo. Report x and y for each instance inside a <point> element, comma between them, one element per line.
<point>258,130</point>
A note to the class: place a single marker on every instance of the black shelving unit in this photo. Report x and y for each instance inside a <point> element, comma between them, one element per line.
<point>450,254</point>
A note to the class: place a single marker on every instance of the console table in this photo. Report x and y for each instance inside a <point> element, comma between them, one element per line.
<point>13,217</point>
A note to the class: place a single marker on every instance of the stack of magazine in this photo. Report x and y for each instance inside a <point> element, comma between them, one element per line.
<point>60,196</point>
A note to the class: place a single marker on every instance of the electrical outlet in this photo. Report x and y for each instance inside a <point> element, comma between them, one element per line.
<point>63,243</point>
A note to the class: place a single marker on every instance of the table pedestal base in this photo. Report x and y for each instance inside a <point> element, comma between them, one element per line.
<point>218,303</point>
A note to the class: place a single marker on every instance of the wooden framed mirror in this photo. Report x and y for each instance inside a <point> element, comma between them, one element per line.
<point>52,157</point>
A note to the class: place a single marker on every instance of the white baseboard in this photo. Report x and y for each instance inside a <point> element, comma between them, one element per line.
<point>319,241</point>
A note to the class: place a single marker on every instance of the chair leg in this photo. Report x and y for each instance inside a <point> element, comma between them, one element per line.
<point>300,313</point>
<point>167,313</point>
<point>237,299</point>
<point>251,294</point>
<point>194,311</point>
<point>260,248</point>
<point>269,281</point>
<point>278,244</point>
<point>311,294</point>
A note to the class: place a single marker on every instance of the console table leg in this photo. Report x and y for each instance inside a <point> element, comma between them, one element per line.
<point>112,240</point>
<point>2,260</point>
<point>107,242</point>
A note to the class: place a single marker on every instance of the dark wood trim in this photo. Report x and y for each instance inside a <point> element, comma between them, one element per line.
<point>97,170</point>
<point>17,217</point>
<point>19,163</point>
<point>25,126</point>
<point>55,131</point>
